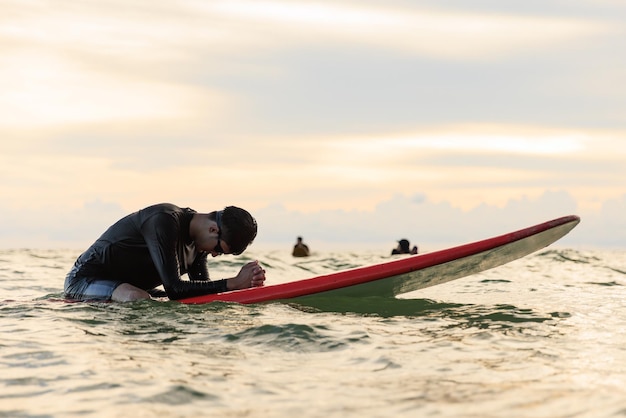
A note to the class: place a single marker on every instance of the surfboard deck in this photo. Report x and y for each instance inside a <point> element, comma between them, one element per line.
<point>407,274</point>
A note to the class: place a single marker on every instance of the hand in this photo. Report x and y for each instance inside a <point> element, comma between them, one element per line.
<point>250,275</point>
<point>258,275</point>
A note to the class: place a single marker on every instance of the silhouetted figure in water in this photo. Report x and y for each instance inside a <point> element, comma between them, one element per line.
<point>300,249</point>
<point>404,247</point>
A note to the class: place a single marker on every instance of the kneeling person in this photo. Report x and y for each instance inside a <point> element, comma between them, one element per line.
<point>157,245</point>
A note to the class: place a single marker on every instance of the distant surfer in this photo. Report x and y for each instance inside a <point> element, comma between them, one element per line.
<point>404,247</point>
<point>156,246</point>
<point>300,249</point>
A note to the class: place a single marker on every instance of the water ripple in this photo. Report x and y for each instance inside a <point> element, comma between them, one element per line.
<point>542,336</point>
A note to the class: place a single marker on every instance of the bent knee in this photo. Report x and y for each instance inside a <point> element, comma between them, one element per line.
<point>128,293</point>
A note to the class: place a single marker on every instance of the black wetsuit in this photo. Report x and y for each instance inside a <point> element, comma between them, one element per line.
<point>146,249</point>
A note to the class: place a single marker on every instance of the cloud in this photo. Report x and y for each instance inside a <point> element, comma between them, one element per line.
<point>435,225</point>
<point>426,31</point>
<point>609,226</point>
<point>56,227</point>
<point>343,109</point>
<point>429,224</point>
<point>112,61</point>
<point>41,90</point>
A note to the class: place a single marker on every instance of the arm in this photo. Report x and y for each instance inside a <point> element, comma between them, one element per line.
<point>161,234</point>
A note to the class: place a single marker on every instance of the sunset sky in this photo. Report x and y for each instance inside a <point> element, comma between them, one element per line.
<point>350,123</point>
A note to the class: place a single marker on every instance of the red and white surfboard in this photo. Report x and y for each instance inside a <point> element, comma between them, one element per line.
<point>410,273</point>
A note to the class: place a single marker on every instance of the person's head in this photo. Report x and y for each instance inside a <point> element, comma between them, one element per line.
<point>237,228</point>
<point>404,245</point>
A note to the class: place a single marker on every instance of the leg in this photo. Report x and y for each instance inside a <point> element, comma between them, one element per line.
<point>81,286</point>
<point>88,289</point>
<point>127,293</point>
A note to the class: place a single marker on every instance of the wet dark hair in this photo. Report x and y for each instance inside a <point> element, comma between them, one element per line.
<point>404,245</point>
<point>239,228</point>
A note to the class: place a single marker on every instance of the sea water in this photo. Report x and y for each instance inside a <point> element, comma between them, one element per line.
<point>543,336</point>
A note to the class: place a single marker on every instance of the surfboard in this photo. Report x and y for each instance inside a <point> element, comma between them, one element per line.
<point>410,273</point>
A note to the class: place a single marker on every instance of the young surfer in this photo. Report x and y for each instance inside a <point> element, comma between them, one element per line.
<point>156,246</point>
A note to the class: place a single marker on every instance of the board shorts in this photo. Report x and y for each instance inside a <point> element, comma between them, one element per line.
<point>87,288</point>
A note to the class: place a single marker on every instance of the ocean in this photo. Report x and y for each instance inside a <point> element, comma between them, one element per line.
<point>543,336</point>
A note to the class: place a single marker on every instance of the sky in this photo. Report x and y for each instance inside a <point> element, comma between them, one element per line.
<point>352,124</point>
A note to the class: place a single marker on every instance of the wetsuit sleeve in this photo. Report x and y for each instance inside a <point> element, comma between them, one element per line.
<point>161,234</point>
